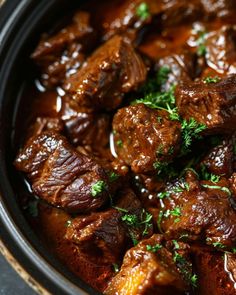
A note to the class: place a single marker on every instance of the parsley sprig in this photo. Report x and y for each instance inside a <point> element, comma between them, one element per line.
<point>154,248</point>
<point>134,221</point>
<point>191,129</point>
<point>143,11</point>
<point>98,188</point>
<point>210,80</point>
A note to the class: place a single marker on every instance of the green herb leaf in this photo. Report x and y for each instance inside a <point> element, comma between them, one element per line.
<point>98,188</point>
<point>120,209</point>
<point>143,11</point>
<point>218,245</point>
<point>210,80</point>
<point>176,244</point>
<point>119,143</point>
<point>191,129</point>
<point>154,248</point>
<point>201,47</point>
<point>194,280</point>
<point>163,195</point>
<point>222,188</point>
<point>162,75</point>
<point>113,176</point>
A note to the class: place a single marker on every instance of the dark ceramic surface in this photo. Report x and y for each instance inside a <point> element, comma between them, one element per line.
<point>10,282</point>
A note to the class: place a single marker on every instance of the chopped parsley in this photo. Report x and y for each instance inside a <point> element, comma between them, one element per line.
<point>143,11</point>
<point>201,47</point>
<point>191,129</point>
<point>160,166</point>
<point>98,188</point>
<point>120,209</point>
<point>185,268</point>
<point>218,245</point>
<point>159,220</point>
<point>154,248</point>
<point>113,176</point>
<point>176,212</point>
<point>163,195</point>
<point>133,221</point>
<point>194,280</point>
<point>176,245</point>
<point>205,175</point>
<point>222,188</point>
<point>234,250</point>
<point>119,143</point>
<point>162,75</point>
<point>210,80</point>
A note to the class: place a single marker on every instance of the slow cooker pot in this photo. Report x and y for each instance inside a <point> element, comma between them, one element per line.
<point>21,23</point>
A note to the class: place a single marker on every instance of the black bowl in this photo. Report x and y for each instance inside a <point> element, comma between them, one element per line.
<point>21,23</point>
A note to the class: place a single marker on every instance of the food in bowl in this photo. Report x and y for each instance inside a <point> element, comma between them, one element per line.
<point>130,151</point>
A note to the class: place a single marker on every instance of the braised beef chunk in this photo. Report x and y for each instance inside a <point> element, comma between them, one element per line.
<point>145,137</point>
<point>221,50</point>
<point>62,54</point>
<point>149,268</point>
<point>45,124</point>
<point>131,148</point>
<point>123,17</point>
<point>83,126</point>
<point>136,220</point>
<point>182,67</point>
<point>104,236</point>
<point>176,12</point>
<point>61,175</point>
<point>101,236</point>
<point>200,210</point>
<point>221,159</point>
<point>113,70</point>
<point>212,104</point>
<point>215,273</point>
<point>224,9</point>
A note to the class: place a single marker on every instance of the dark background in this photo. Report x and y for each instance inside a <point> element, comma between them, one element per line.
<point>10,282</point>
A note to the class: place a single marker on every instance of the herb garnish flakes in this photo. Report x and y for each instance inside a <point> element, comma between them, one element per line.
<point>98,188</point>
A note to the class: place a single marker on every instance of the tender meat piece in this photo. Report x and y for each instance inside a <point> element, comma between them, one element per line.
<point>144,136</point>
<point>221,159</point>
<point>101,236</point>
<point>84,126</point>
<point>214,273</point>
<point>182,67</point>
<point>166,43</point>
<point>62,54</point>
<point>61,175</point>
<point>104,236</point>
<point>212,104</point>
<point>113,70</point>
<point>224,9</point>
<point>136,220</point>
<point>232,181</point>
<point>221,50</point>
<point>176,12</point>
<point>42,124</point>
<point>122,17</point>
<point>148,271</point>
<point>202,210</point>
<point>52,224</point>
